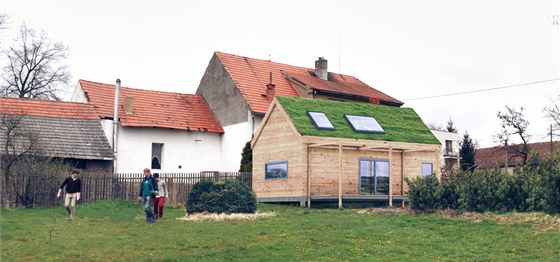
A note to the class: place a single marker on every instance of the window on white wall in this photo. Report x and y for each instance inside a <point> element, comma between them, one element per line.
<point>427,169</point>
<point>157,149</point>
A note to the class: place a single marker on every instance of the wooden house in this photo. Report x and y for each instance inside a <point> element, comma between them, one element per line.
<point>322,150</point>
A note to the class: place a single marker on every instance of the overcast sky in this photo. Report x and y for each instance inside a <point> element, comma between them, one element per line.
<point>407,49</point>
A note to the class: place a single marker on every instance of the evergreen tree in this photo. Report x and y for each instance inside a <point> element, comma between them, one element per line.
<point>246,158</point>
<point>451,126</point>
<point>467,153</point>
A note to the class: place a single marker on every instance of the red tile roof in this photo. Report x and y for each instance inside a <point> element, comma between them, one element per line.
<point>30,107</point>
<point>153,108</point>
<point>251,76</point>
<point>496,156</point>
<point>339,83</point>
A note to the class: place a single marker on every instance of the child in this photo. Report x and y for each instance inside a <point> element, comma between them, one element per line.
<point>160,196</point>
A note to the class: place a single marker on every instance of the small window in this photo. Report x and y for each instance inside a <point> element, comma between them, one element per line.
<point>365,124</point>
<point>427,169</point>
<point>157,149</point>
<point>448,147</point>
<point>320,120</point>
<point>276,170</point>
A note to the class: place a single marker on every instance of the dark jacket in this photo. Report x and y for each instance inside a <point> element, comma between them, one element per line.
<point>72,186</point>
<point>152,185</point>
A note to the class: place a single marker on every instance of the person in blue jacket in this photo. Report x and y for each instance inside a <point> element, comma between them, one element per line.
<point>148,189</point>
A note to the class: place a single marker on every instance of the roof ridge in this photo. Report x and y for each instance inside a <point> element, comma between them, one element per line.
<point>140,89</point>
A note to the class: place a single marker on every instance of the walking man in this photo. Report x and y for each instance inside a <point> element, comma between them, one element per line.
<point>159,201</point>
<point>73,191</point>
<point>148,190</point>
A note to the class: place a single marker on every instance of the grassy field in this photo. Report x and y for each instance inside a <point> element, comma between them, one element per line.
<point>116,230</point>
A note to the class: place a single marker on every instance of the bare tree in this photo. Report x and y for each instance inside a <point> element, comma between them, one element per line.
<point>514,124</point>
<point>434,126</point>
<point>553,112</point>
<point>34,68</point>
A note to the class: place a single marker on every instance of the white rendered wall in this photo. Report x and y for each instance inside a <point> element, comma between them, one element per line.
<point>79,95</point>
<point>234,139</point>
<point>193,151</point>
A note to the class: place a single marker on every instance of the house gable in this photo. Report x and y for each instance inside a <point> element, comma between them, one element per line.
<point>222,95</point>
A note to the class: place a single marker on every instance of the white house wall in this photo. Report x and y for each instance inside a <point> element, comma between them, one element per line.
<point>79,95</point>
<point>234,139</point>
<point>182,151</point>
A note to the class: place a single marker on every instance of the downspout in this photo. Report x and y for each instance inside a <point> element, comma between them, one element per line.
<point>116,122</point>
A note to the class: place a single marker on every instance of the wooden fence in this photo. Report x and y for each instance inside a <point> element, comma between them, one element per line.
<point>40,190</point>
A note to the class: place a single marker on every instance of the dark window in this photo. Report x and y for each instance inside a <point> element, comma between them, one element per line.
<point>157,149</point>
<point>276,170</point>
<point>374,177</point>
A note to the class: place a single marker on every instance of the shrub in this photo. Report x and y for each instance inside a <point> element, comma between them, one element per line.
<point>423,192</point>
<point>226,196</point>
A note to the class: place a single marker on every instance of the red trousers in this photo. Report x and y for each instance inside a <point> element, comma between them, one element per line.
<point>158,207</point>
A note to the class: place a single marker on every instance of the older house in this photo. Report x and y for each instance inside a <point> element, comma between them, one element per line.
<point>315,150</point>
<point>239,90</point>
<point>67,131</point>
<point>164,131</point>
<point>506,159</point>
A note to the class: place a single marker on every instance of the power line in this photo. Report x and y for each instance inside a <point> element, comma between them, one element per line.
<point>483,90</point>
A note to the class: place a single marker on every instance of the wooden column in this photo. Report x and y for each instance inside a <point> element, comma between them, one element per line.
<point>308,177</point>
<point>390,176</point>
<point>402,177</point>
<point>340,176</point>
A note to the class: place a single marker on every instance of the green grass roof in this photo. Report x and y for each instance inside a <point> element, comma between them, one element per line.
<point>400,124</point>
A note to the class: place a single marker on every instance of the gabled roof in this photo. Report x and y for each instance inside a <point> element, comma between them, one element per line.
<point>153,108</point>
<point>251,75</point>
<point>490,157</point>
<point>58,129</point>
<point>399,124</point>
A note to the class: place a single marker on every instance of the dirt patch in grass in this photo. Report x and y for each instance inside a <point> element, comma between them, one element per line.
<point>205,216</point>
<point>541,222</point>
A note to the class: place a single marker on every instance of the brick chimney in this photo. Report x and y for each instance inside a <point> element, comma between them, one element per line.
<point>321,68</point>
<point>270,90</point>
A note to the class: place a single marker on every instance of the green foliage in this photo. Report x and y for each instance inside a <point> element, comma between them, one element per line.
<point>467,153</point>
<point>400,124</point>
<point>246,158</point>
<point>226,196</point>
<point>533,187</point>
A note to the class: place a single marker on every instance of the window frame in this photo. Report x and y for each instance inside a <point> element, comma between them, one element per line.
<point>316,124</point>
<point>431,168</point>
<point>381,131</point>
<point>372,170</point>
<point>266,164</point>
<point>160,158</point>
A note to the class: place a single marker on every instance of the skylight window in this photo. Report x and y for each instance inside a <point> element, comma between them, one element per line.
<point>320,120</point>
<point>365,124</point>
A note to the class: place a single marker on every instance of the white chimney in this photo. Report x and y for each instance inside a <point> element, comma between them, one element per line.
<point>321,68</point>
<point>116,121</point>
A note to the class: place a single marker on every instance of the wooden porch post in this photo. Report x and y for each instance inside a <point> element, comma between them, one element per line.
<point>340,176</point>
<point>402,177</point>
<point>308,177</point>
<point>390,176</point>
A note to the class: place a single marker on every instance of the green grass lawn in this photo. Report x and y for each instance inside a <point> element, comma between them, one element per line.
<point>116,230</point>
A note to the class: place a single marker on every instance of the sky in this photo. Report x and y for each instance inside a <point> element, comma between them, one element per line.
<point>407,49</point>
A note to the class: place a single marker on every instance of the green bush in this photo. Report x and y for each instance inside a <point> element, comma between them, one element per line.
<point>226,196</point>
<point>533,187</point>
